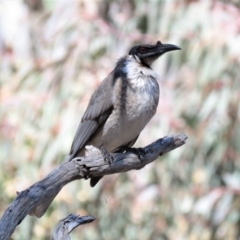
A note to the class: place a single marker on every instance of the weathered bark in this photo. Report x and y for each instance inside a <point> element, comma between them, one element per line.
<point>66,225</point>
<point>36,199</point>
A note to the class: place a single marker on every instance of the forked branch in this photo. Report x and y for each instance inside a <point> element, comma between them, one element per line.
<point>36,199</point>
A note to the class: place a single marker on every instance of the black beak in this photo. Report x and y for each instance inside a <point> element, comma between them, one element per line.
<point>163,48</point>
<point>168,47</point>
<point>160,49</point>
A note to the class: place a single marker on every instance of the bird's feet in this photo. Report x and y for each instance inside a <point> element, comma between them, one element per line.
<point>106,155</point>
<point>137,151</point>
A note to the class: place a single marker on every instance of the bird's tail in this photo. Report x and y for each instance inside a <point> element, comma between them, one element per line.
<point>94,181</point>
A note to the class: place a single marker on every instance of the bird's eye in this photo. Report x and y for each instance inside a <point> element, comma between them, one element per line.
<point>142,49</point>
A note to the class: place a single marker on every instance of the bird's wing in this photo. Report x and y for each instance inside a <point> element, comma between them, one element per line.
<point>99,108</point>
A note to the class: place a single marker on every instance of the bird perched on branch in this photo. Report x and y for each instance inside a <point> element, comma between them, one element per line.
<point>123,104</point>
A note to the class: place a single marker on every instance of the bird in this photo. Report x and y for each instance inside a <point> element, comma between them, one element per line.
<point>123,103</point>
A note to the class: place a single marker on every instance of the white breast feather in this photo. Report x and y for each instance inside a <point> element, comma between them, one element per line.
<point>139,75</point>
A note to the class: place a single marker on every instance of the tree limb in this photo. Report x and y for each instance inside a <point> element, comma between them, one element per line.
<point>36,199</point>
<point>66,225</point>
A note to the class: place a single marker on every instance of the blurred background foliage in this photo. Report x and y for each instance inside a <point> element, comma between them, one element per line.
<point>54,53</point>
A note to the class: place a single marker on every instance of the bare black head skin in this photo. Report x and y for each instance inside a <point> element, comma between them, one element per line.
<point>147,53</point>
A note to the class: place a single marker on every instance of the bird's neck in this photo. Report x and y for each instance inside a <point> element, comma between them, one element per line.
<point>139,75</point>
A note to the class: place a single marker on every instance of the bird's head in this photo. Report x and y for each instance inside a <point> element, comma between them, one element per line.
<point>147,53</point>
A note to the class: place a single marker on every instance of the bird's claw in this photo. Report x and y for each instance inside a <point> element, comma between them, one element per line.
<point>137,151</point>
<point>106,155</point>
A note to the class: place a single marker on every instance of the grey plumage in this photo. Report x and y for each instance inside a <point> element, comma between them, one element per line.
<point>123,104</point>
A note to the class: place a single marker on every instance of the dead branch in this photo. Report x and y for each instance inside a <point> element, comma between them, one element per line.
<point>36,199</point>
<point>66,225</point>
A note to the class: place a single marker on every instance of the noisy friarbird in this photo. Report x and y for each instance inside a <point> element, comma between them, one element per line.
<point>123,104</point>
